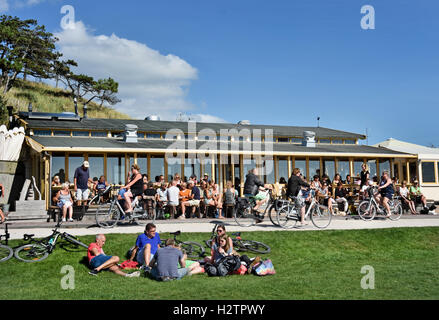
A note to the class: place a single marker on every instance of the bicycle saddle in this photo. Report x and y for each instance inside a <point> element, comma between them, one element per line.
<point>176,233</point>
<point>27,236</point>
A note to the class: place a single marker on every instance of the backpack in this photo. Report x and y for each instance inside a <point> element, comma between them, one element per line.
<point>226,265</point>
<point>229,197</point>
<point>264,268</point>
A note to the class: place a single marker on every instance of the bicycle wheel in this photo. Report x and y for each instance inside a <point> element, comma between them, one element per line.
<point>255,246</point>
<point>5,253</point>
<point>396,212</point>
<point>192,249</point>
<point>31,253</point>
<point>272,215</point>
<point>107,215</point>
<point>321,216</point>
<point>286,216</point>
<point>244,217</point>
<point>145,218</point>
<point>365,211</point>
<point>73,240</point>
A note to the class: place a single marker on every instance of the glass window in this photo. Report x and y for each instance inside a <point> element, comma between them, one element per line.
<point>96,166</point>
<point>348,141</point>
<point>61,133</point>
<point>269,171</point>
<point>157,167</point>
<point>153,136</point>
<point>58,167</point>
<point>282,170</point>
<point>343,168</point>
<point>280,139</point>
<point>329,169</point>
<point>324,141</point>
<point>174,167</point>
<point>191,167</point>
<point>42,132</point>
<point>75,161</point>
<point>116,169</point>
<point>249,163</point>
<point>384,166</point>
<point>300,164</point>
<point>142,162</point>
<point>371,164</point>
<point>98,134</point>
<point>207,168</point>
<point>357,167</point>
<point>296,140</point>
<point>141,135</point>
<point>81,133</point>
<point>314,168</point>
<point>337,141</point>
<point>428,174</point>
<point>237,180</point>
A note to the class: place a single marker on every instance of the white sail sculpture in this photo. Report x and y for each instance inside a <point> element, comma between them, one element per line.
<point>10,143</point>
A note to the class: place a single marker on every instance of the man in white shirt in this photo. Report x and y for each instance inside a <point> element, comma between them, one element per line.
<point>173,193</point>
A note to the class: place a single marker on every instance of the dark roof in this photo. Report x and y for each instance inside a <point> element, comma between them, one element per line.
<point>163,126</point>
<point>80,142</point>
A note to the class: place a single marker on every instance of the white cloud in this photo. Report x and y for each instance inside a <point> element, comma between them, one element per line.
<point>149,82</point>
<point>4,6</point>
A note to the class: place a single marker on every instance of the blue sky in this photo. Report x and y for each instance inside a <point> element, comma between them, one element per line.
<point>274,62</point>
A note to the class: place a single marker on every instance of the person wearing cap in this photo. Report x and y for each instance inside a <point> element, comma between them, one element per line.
<point>206,178</point>
<point>81,180</point>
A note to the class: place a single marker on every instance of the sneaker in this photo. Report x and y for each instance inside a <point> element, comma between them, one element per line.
<point>181,217</point>
<point>70,220</point>
<point>63,219</point>
<point>94,272</point>
<point>255,262</point>
<point>134,274</point>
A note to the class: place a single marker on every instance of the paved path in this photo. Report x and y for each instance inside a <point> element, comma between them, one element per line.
<point>337,223</point>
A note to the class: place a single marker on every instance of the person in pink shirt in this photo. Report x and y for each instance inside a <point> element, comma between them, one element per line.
<point>98,260</point>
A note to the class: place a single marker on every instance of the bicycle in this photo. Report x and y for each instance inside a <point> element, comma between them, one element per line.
<point>320,215</point>
<point>191,248</point>
<point>108,214</point>
<point>246,216</point>
<point>97,198</point>
<point>240,244</point>
<point>6,251</point>
<point>369,208</point>
<point>40,249</point>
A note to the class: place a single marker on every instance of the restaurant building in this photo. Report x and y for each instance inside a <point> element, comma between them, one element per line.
<point>56,144</point>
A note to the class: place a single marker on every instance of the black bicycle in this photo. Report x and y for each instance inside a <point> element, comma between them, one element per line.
<point>192,249</point>
<point>246,216</point>
<point>240,244</point>
<point>40,249</point>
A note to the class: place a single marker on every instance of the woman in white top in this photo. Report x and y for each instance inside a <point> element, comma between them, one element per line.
<point>404,193</point>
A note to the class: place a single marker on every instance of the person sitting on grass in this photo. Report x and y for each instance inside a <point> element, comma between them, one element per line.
<point>146,246</point>
<point>165,263</point>
<point>98,260</point>
<point>220,231</point>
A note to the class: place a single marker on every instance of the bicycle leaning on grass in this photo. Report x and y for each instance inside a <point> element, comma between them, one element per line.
<point>288,215</point>
<point>40,249</point>
<point>240,244</point>
<point>191,248</point>
<point>6,251</point>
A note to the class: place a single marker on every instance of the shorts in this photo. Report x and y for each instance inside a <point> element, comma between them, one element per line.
<point>99,260</point>
<point>194,202</point>
<point>388,195</point>
<point>260,196</point>
<point>61,204</point>
<point>82,194</point>
<point>141,256</point>
<point>299,202</point>
<point>181,273</point>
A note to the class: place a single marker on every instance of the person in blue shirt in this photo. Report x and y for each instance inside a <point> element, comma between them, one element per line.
<point>146,246</point>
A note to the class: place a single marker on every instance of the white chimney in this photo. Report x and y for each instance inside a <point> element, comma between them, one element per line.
<point>309,139</point>
<point>130,134</point>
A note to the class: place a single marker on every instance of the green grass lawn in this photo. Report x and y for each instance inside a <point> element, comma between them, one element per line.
<point>309,265</point>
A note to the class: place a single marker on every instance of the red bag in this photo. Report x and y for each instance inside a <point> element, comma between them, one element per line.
<point>241,271</point>
<point>129,265</point>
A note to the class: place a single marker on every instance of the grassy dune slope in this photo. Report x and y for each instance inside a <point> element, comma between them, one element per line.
<point>45,98</point>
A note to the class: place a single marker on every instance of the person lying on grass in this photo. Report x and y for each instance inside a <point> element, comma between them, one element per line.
<point>165,262</point>
<point>98,260</point>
